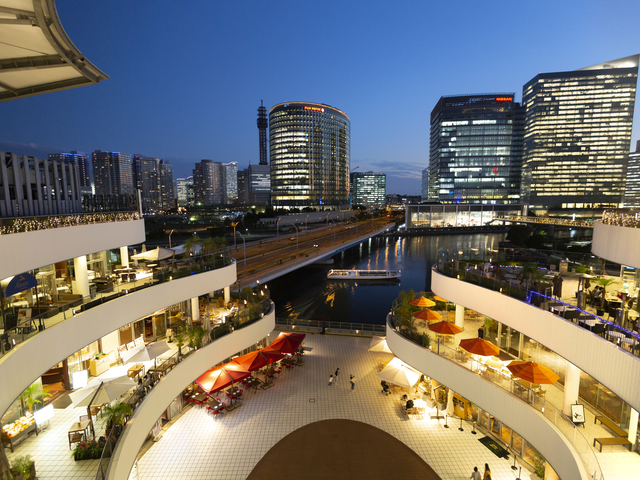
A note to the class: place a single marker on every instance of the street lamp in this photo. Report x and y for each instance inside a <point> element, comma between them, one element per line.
<point>334,231</point>
<point>297,231</point>
<point>277,233</point>
<point>244,253</point>
<point>170,238</point>
<point>305,223</point>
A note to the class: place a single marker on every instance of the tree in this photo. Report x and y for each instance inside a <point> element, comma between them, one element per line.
<point>33,394</point>
<point>604,283</point>
<point>191,245</point>
<point>114,414</point>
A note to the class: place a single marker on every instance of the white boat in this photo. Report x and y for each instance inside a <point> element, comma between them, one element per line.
<point>363,274</point>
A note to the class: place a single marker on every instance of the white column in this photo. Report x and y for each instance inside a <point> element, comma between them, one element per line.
<point>81,285</point>
<point>227,295</point>
<point>633,426</point>
<point>124,256</point>
<point>571,387</point>
<point>195,309</point>
<point>459,316</point>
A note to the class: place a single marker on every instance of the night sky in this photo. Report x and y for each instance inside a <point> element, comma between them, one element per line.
<point>186,78</point>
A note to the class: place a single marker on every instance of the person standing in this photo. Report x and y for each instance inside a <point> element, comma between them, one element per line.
<point>487,472</point>
<point>352,381</point>
<point>330,380</point>
<point>335,375</point>
<point>475,475</point>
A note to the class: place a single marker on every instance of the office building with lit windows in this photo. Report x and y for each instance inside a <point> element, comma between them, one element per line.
<point>368,189</point>
<point>112,173</point>
<point>474,155</point>
<point>632,187</point>
<point>208,186</point>
<point>80,160</point>
<point>310,154</point>
<point>576,136</point>
<point>258,185</point>
<point>230,179</point>
<point>154,178</point>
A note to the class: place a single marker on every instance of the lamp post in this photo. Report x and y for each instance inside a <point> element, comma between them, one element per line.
<point>244,253</point>
<point>305,224</point>
<point>334,231</point>
<point>294,226</point>
<point>235,247</point>
<point>277,233</point>
<point>171,232</point>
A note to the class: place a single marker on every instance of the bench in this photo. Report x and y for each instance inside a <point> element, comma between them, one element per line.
<point>611,441</point>
<point>612,426</point>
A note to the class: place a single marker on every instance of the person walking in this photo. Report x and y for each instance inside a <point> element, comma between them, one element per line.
<point>352,381</point>
<point>335,375</point>
<point>475,475</point>
<point>487,472</point>
<point>330,380</point>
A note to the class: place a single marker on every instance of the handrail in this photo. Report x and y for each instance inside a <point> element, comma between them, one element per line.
<point>467,271</point>
<point>244,317</point>
<point>166,272</point>
<point>9,225</point>
<point>340,326</point>
<point>553,414</point>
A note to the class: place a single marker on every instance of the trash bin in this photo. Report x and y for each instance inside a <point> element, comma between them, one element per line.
<point>481,332</point>
<point>93,288</point>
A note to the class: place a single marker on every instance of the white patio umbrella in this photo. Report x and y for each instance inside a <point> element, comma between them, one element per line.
<point>104,392</point>
<point>147,353</point>
<point>450,408</point>
<point>159,253</point>
<point>379,344</point>
<point>399,373</point>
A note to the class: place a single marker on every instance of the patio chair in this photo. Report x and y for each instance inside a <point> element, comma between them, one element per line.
<point>75,438</point>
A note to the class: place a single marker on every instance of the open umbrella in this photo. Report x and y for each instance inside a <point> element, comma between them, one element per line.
<point>159,253</point>
<point>297,336</point>
<point>440,299</point>
<point>399,373</point>
<point>423,302</point>
<point>103,392</point>
<point>252,361</point>
<point>379,344</point>
<point>286,344</point>
<point>532,372</point>
<point>147,353</point>
<point>272,354</point>
<point>445,328</point>
<point>428,315</point>
<point>479,346</point>
<point>219,378</point>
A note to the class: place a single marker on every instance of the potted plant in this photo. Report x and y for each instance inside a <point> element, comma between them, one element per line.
<point>114,414</point>
<point>539,465</point>
<point>33,394</point>
<point>24,468</point>
<point>430,401</point>
<point>604,283</point>
<point>179,339</point>
<point>91,450</point>
<point>442,399</point>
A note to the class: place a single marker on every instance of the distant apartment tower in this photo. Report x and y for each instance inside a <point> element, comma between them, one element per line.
<point>154,178</point>
<point>208,187</point>
<point>632,189</point>
<point>368,189</point>
<point>243,194</point>
<point>474,156</point>
<point>424,192</point>
<point>310,155</point>
<point>576,136</point>
<point>80,160</point>
<point>112,173</point>
<point>258,184</point>
<point>184,187</point>
<point>168,190</point>
<point>263,125</point>
<point>230,180</point>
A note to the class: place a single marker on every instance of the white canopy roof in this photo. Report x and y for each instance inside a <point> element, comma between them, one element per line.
<point>379,344</point>
<point>399,373</point>
<point>159,253</point>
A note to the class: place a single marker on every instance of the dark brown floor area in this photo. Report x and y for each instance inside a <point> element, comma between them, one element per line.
<point>341,449</point>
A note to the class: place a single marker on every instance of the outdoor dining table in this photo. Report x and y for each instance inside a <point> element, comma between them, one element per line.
<point>253,383</point>
<point>136,371</point>
<point>233,394</point>
<point>200,397</point>
<point>79,427</point>
<point>288,361</point>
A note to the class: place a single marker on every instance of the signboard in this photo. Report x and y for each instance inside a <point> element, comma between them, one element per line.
<point>24,317</point>
<point>20,283</point>
<point>577,414</point>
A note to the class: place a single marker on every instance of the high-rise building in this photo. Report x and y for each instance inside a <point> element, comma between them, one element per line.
<point>168,192</point>
<point>474,156</point>
<point>154,178</point>
<point>243,194</point>
<point>576,136</point>
<point>184,188</point>
<point>230,180</point>
<point>80,160</point>
<point>368,189</point>
<point>424,191</point>
<point>208,186</point>
<point>263,124</point>
<point>309,154</point>
<point>112,173</point>
<point>258,184</point>
<point>632,188</point>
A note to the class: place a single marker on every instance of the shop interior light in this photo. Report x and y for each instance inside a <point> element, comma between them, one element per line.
<point>74,311</point>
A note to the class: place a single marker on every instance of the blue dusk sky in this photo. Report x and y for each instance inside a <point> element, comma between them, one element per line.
<point>186,78</point>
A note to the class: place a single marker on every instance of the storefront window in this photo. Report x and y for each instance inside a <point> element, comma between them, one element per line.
<point>516,443</point>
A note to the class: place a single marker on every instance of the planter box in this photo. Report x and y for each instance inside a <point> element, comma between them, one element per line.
<point>442,406</point>
<point>430,402</point>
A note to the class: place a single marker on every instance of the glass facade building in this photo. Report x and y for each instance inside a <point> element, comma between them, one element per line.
<point>310,155</point>
<point>208,186</point>
<point>632,188</point>
<point>258,184</point>
<point>368,189</point>
<point>577,135</point>
<point>230,172</point>
<point>474,156</point>
<point>112,173</point>
<point>80,160</point>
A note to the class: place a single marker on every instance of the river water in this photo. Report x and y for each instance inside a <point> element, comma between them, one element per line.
<point>308,294</point>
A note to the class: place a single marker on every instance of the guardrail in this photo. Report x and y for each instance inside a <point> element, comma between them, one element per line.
<point>344,328</point>
<point>521,392</point>
<point>171,270</point>
<point>539,296</point>
<point>30,224</point>
<point>245,317</point>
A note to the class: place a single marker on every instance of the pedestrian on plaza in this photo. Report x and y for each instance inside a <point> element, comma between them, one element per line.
<point>475,475</point>
<point>336,375</point>
<point>487,472</point>
<point>352,381</point>
<point>330,380</point>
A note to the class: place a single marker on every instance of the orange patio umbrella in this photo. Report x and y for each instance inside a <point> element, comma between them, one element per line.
<point>286,344</point>
<point>445,328</point>
<point>219,378</point>
<point>423,302</point>
<point>272,354</point>
<point>252,361</point>
<point>298,336</point>
<point>479,346</point>
<point>440,299</point>
<point>532,372</point>
<point>428,315</point>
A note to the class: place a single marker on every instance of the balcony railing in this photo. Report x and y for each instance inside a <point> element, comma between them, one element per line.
<point>334,327</point>
<point>521,392</point>
<point>621,219</point>
<point>245,317</point>
<point>171,270</point>
<point>30,224</point>
<point>539,296</point>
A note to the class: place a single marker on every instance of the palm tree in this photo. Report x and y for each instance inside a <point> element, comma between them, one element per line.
<point>191,245</point>
<point>114,414</point>
<point>33,394</point>
<point>604,283</point>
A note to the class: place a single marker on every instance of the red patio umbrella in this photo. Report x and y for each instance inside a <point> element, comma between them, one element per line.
<point>428,315</point>
<point>221,377</point>
<point>479,346</point>
<point>286,344</point>
<point>445,328</point>
<point>272,354</point>
<point>298,336</point>
<point>532,372</point>
<point>252,361</point>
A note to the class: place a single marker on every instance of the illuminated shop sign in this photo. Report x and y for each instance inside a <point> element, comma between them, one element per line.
<point>314,109</point>
<point>504,99</point>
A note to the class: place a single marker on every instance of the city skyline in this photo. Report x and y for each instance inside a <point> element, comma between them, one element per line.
<point>193,94</point>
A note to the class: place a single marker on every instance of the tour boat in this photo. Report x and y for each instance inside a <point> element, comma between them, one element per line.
<point>363,274</point>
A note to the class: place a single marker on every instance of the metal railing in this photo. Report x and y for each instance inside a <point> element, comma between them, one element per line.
<point>165,272</point>
<point>252,313</point>
<point>621,219</point>
<point>539,296</point>
<point>30,224</point>
<point>335,327</point>
<point>581,444</point>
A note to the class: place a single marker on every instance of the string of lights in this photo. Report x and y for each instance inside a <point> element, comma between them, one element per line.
<point>19,225</point>
<point>612,217</point>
